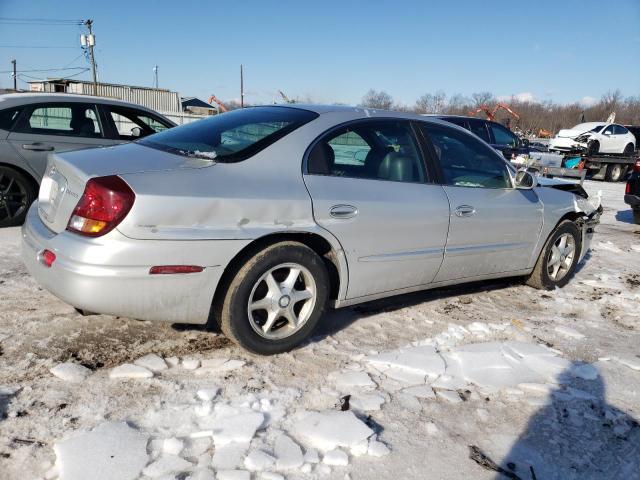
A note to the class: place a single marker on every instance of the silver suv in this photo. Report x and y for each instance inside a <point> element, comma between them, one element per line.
<point>33,125</point>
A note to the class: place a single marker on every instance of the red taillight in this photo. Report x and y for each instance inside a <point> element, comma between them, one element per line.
<point>169,269</point>
<point>636,167</point>
<point>47,257</point>
<point>627,189</point>
<point>103,205</point>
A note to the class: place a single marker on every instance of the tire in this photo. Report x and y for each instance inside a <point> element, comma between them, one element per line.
<point>541,277</point>
<point>628,150</point>
<point>636,217</point>
<point>614,172</point>
<point>17,193</point>
<point>261,281</point>
<point>593,147</point>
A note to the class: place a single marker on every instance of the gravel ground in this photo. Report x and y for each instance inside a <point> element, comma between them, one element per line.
<point>595,320</point>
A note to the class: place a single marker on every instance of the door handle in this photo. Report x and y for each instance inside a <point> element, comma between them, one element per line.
<point>465,211</point>
<point>38,147</point>
<point>343,211</point>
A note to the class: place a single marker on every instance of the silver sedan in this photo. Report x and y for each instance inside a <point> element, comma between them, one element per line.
<point>260,218</point>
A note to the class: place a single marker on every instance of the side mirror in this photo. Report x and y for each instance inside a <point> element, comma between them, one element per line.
<point>607,133</point>
<point>524,142</point>
<point>525,180</point>
<point>136,132</point>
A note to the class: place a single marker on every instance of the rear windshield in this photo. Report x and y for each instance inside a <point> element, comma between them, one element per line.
<point>232,136</point>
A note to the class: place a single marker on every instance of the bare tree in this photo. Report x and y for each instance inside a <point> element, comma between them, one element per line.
<point>431,103</point>
<point>481,98</point>
<point>375,99</point>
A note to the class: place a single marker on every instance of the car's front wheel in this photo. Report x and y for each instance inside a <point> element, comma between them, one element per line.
<point>276,299</point>
<point>559,257</point>
<point>593,147</point>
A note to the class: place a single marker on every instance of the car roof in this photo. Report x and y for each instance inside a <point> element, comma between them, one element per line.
<point>9,100</point>
<point>359,112</point>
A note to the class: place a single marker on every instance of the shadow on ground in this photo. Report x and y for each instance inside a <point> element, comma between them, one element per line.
<point>625,216</point>
<point>577,435</point>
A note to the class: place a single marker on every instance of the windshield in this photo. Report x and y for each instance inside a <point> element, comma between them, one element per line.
<point>232,136</point>
<point>588,127</point>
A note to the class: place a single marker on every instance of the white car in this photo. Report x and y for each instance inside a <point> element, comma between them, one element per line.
<point>594,137</point>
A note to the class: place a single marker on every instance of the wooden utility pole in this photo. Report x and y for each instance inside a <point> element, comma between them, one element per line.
<point>15,75</point>
<point>241,87</point>
<point>90,43</point>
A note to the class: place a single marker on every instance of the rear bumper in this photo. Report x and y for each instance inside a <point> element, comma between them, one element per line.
<point>110,274</point>
<point>633,200</point>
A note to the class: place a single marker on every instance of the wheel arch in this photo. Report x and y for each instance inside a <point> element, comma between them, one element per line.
<point>331,254</point>
<point>28,175</point>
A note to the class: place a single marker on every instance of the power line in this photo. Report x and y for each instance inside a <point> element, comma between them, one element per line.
<point>33,46</point>
<point>39,21</point>
<point>34,70</point>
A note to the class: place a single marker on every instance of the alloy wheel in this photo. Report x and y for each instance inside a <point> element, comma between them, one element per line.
<point>13,197</point>
<point>561,257</point>
<point>281,301</point>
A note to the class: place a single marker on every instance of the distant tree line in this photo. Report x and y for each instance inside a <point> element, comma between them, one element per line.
<point>534,115</point>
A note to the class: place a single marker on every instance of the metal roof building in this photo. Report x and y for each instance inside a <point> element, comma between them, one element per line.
<point>157,99</point>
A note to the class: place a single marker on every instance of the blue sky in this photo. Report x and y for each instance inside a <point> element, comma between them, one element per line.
<point>336,50</point>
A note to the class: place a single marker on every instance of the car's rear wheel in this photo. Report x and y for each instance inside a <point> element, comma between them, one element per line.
<point>559,257</point>
<point>17,193</point>
<point>614,172</point>
<point>593,147</point>
<point>628,150</point>
<point>276,299</point>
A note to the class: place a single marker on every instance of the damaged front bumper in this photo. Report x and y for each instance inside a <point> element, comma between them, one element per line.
<point>587,225</point>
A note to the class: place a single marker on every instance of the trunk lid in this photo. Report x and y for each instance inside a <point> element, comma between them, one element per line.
<point>66,175</point>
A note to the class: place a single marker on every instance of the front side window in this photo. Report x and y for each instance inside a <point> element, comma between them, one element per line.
<point>8,118</point>
<point>503,136</point>
<point>465,161</point>
<point>608,130</point>
<point>232,136</point>
<point>377,150</point>
<point>132,124</point>
<point>74,119</point>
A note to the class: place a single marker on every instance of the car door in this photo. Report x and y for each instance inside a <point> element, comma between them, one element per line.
<point>56,127</point>
<point>494,227</point>
<point>126,124</point>
<point>370,189</point>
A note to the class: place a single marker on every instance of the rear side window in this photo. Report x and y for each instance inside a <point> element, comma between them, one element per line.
<point>479,128</point>
<point>8,118</point>
<point>503,136</point>
<point>620,130</point>
<point>465,161</point>
<point>232,136</point>
<point>132,124</point>
<point>76,119</point>
<point>377,150</point>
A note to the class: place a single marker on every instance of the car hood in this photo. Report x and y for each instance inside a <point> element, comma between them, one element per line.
<point>570,133</point>
<point>564,185</point>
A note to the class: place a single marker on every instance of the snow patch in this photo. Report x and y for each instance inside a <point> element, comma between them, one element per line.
<point>71,372</point>
<point>111,451</point>
<point>129,370</point>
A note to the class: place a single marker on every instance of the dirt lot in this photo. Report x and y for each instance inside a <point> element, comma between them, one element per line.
<point>594,320</point>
